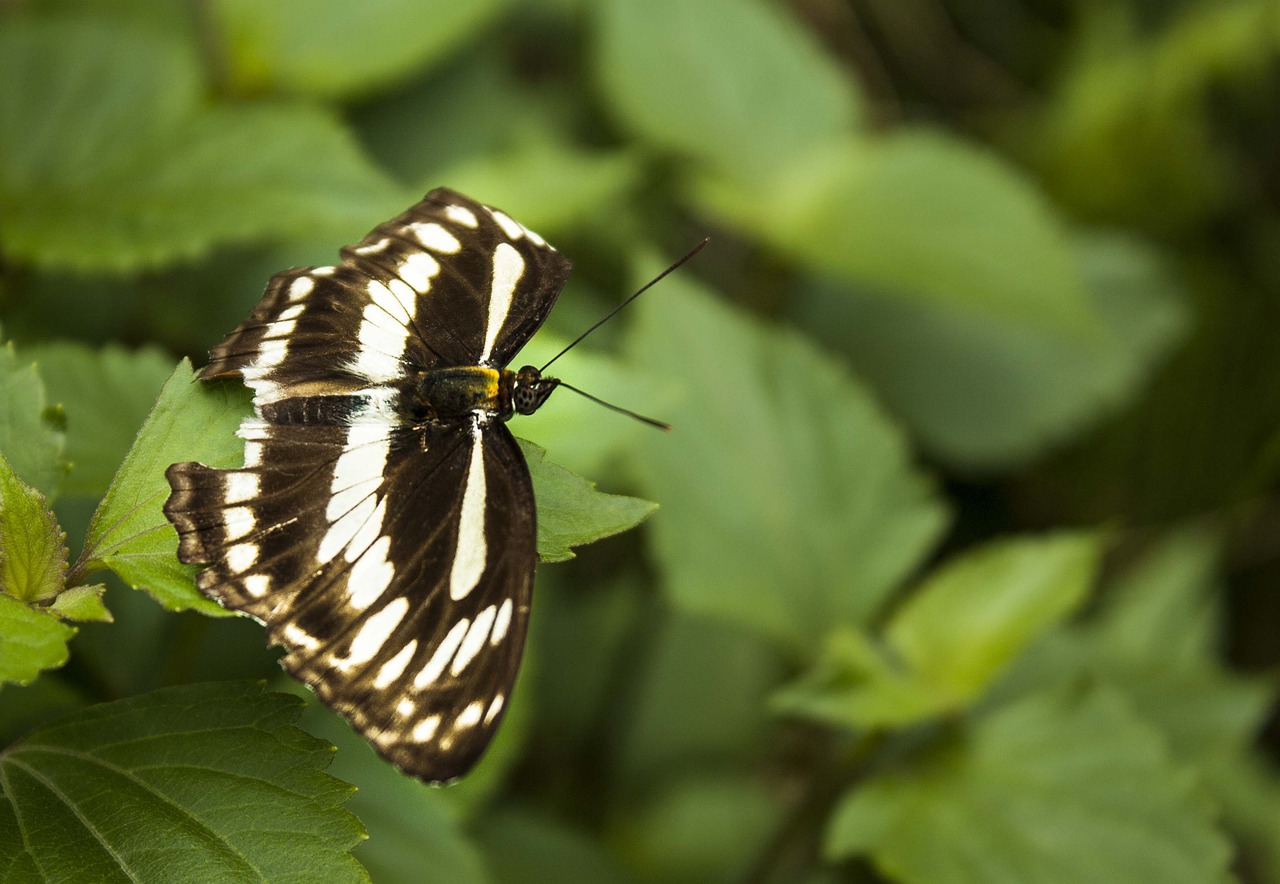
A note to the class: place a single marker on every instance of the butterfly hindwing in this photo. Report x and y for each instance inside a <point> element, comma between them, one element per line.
<point>390,554</point>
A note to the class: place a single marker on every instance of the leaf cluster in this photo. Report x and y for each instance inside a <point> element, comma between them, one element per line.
<point>975,414</point>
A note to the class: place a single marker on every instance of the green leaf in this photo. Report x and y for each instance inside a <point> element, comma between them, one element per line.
<point>1052,789</point>
<point>106,394</point>
<point>33,552</point>
<point>31,639</point>
<point>924,219</point>
<point>968,620</point>
<point>986,390</point>
<point>333,49</point>
<point>108,161</point>
<point>193,783</point>
<point>571,512</point>
<point>951,638</point>
<point>83,603</point>
<point>674,74</point>
<point>31,434</point>
<point>789,500</point>
<point>855,684</point>
<point>129,533</point>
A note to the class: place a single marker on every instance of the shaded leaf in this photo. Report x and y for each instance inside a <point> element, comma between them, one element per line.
<point>333,49</point>
<point>1052,789</point>
<point>985,390</point>
<point>789,500</point>
<point>129,533</point>
<point>193,783</point>
<point>106,393</point>
<point>571,512</point>
<point>31,434</point>
<point>33,553</point>
<point>674,74</point>
<point>30,640</point>
<point>109,162</point>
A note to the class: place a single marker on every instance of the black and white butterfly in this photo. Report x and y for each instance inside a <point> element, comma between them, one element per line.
<point>383,525</point>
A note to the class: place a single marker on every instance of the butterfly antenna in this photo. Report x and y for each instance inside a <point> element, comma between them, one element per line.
<point>618,408</point>
<point>648,285</point>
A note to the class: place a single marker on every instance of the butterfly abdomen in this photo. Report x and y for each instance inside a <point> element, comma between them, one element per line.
<point>446,394</point>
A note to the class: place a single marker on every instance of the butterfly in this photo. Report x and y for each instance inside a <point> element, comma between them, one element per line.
<point>383,526</point>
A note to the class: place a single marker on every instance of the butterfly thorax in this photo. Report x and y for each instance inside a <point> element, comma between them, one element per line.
<point>448,393</point>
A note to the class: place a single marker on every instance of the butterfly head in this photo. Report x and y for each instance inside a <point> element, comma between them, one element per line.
<point>531,390</point>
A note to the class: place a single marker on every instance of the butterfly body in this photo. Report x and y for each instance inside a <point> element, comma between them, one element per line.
<point>451,393</point>
<point>383,525</point>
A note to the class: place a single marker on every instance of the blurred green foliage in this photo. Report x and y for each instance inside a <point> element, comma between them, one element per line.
<point>966,561</point>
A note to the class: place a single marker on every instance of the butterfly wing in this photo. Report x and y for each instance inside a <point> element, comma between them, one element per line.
<point>448,282</point>
<point>393,560</point>
<point>394,565</point>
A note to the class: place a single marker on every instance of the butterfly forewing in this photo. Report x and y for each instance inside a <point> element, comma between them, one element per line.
<point>392,558</point>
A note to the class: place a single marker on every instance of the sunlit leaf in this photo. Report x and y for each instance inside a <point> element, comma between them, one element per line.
<point>675,74</point>
<point>333,49</point>
<point>1049,790</point>
<point>108,161</point>
<point>31,639</point>
<point>572,512</point>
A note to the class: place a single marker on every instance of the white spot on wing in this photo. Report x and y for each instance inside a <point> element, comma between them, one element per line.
<point>461,215</point>
<point>472,553</point>
<point>374,634</point>
<point>238,522</point>
<point>435,237</point>
<point>508,267</point>
<point>440,659</point>
<point>372,247</point>
<point>257,585</point>
<point>494,708</point>
<point>240,487</point>
<point>470,716</point>
<point>371,575</point>
<point>241,557</point>
<point>418,269</point>
<point>425,729</point>
<point>507,223</point>
<point>356,476</point>
<point>501,624</point>
<point>475,639</point>
<point>301,287</point>
<point>294,635</point>
<point>394,668</point>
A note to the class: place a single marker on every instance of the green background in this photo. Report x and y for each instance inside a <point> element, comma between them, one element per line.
<point>966,562</point>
